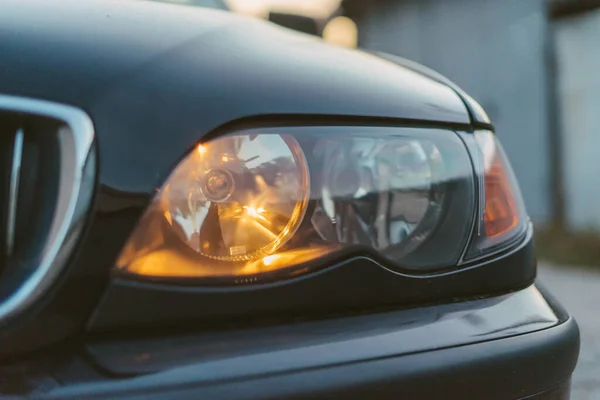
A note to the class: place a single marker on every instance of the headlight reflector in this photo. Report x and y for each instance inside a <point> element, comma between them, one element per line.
<point>378,191</point>
<point>238,198</point>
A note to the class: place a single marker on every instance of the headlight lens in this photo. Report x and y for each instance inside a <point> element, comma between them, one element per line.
<point>238,198</point>
<point>387,193</point>
<point>244,207</point>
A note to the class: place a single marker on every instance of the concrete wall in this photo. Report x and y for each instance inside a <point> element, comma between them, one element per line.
<point>493,49</point>
<point>578,52</point>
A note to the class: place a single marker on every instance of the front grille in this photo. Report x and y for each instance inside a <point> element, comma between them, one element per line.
<point>45,169</point>
<point>29,181</point>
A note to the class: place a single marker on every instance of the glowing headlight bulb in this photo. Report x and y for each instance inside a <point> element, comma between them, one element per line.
<point>245,196</point>
<point>218,185</point>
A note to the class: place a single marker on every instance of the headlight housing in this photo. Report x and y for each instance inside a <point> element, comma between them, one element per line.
<point>262,203</point>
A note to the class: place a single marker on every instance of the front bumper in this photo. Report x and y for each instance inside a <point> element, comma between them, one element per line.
<point>513,346</point>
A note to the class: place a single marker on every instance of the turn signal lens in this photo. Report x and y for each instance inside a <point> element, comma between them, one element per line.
<point>242,207</point>
<point>502,212</point>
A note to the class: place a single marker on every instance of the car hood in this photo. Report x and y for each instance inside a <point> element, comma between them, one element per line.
<point>165,75</point>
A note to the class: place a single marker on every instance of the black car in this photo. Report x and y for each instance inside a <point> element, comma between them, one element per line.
<point>194,204</point>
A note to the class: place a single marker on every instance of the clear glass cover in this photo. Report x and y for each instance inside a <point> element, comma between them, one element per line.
<point>238,198</point>
<point>248,205</point>
<point>377,192</point>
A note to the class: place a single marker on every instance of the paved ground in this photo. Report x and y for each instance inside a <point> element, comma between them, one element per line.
<point>579,290</point>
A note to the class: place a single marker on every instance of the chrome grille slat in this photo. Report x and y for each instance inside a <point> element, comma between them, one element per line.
<point>15,174</point>
<point>7,132</point>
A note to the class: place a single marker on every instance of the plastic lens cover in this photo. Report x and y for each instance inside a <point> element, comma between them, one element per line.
<point>502,217</point>
<point>249,205</point>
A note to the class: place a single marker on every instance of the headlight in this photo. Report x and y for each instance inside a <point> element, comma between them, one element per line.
<point>249,205</point>
<point>238,198</point>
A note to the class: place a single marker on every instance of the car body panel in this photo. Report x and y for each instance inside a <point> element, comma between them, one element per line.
<point>163,92</point>
<point>332,341</point>
<point>479,117</point>
<point>466,347</point>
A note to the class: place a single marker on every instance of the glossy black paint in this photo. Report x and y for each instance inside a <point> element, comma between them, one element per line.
<point>513,368</point>
<point>154,90</point>
<point>478,115</point>
<point>157,78</point>
<point>510,346</point>
<point>343,339</point>
<point>560,392</point>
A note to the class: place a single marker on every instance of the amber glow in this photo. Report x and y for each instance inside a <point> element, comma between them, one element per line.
<point>168,217</point>
<point>285,259</point>
<point>270,260</point>
<point>169,263</point>
<point>252,212</point>
<point>501,210</point>
<point>228,209</point>
<point>501,213</point>
<point>341,31</point>
<point>245,214</point>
